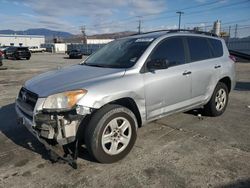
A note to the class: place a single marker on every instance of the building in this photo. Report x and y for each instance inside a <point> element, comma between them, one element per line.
<point>217,27</point>
<point>89,47</point>
<point>21,40</point>
<point>98,41</point>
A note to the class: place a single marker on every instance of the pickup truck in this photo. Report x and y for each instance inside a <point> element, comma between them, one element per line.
<point>34,49</point>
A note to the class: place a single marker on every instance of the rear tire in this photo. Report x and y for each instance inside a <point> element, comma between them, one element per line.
<point>111,133</point>
<point>218,102</point>
<point>28,58</point>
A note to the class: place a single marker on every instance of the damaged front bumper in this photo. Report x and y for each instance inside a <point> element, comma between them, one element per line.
<point>55,130</point>
<point>27,122</point>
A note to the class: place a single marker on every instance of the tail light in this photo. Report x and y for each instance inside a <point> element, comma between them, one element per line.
<point>233,58</point>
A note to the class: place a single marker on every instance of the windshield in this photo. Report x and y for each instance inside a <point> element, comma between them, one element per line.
<point>121,53</point>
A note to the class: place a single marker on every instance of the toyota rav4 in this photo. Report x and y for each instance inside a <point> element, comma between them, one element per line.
<point>129,82</point>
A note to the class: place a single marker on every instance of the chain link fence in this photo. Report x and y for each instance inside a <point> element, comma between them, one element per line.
<point>238,38</point>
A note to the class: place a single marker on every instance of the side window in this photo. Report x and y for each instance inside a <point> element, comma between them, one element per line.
<point>216,47</point>
<point>198,48</point>
<point>171,49</point>
<point>11,49</point>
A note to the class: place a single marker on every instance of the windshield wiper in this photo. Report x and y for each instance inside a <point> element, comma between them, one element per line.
<point>95,65</point>
<point>100,65</point>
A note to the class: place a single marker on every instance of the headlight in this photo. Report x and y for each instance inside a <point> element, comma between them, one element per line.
<point>65,100</point>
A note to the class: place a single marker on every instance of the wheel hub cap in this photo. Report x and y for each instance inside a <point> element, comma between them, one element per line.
<point>220,99</point>
<point>116,136</point>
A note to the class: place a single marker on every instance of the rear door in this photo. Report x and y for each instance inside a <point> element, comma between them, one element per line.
<point>168,89</point>
<point>202,65</point>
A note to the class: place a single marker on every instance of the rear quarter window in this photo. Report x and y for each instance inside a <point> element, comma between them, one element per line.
<point>199,48</point>
<point>217,48</point>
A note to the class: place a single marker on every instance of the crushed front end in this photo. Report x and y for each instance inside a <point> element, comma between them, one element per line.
<point>56,129</point>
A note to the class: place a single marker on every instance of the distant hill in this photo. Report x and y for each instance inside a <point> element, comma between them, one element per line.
<point>78,38</point>
<point>49,34</point>
<point>66,36</point>
<point>112,35</point>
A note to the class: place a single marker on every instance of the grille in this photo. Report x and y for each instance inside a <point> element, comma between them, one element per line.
<point>28,97</point>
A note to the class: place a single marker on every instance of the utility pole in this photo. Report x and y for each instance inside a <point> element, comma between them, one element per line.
<point>180,13</point>
<point>84,39</point>
<point>139,24</point>
<point>229,31</point>
<point>236,31</point>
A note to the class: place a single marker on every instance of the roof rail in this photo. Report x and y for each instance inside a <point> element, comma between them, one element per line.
<point>181,30</point>
<point>193,31</point>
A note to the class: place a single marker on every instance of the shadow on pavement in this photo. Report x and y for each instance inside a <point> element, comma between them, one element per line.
<point>72,58</point>
<point>244,183</point>
<point>242,86</point>
<point>196,112</point>
<point>18,133</point>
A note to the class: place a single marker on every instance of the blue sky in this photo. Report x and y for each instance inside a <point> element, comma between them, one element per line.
<point>102,16</point>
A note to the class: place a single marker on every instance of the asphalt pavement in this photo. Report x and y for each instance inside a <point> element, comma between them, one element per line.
<point>181,150</point>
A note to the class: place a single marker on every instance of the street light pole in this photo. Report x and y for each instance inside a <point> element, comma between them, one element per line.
<point>139,24</point>
<point>180,13</point>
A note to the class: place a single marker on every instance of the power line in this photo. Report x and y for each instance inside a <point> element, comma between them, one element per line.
<point>188,14</point>
<point>235,21</point>
<point>220,7</point>
<point>228,23</point>
<point>146,15</point>
<point>202,11</point>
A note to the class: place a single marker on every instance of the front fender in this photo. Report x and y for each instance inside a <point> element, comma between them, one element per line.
<point>96,101</point>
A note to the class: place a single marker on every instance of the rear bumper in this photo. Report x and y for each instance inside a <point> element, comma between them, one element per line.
<point>24,55</point>
<point>19,55</point>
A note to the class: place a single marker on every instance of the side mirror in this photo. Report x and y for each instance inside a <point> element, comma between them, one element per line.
<point>155,64</point>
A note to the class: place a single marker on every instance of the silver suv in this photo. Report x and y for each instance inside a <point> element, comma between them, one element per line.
<point>124,85</point>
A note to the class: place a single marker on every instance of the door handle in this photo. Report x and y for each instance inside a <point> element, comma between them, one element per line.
<point>217,66</point>
<point>186,73</point>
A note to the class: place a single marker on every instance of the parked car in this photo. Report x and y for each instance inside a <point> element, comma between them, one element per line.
<point>17,52</point>
<point>1,58</point>
<point>124,85</point>
<point>75,54</point>
<point>34,49</point>
<point>2,48</point>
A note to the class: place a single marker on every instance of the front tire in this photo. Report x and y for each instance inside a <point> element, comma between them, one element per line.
<point>218,102</point>
<point>111,133</point>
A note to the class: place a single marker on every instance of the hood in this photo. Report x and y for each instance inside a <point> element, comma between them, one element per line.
<point>69,78</point>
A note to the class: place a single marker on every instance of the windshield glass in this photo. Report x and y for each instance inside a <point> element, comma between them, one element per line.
<point>121,53</point>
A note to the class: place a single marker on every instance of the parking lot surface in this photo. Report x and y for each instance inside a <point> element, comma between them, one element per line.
<point>181,150</point>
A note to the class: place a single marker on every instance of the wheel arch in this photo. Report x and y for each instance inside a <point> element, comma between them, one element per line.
<point>227,81</point>
<point>131,105</point>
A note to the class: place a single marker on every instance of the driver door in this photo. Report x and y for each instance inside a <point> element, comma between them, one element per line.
<point>167,89</point>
